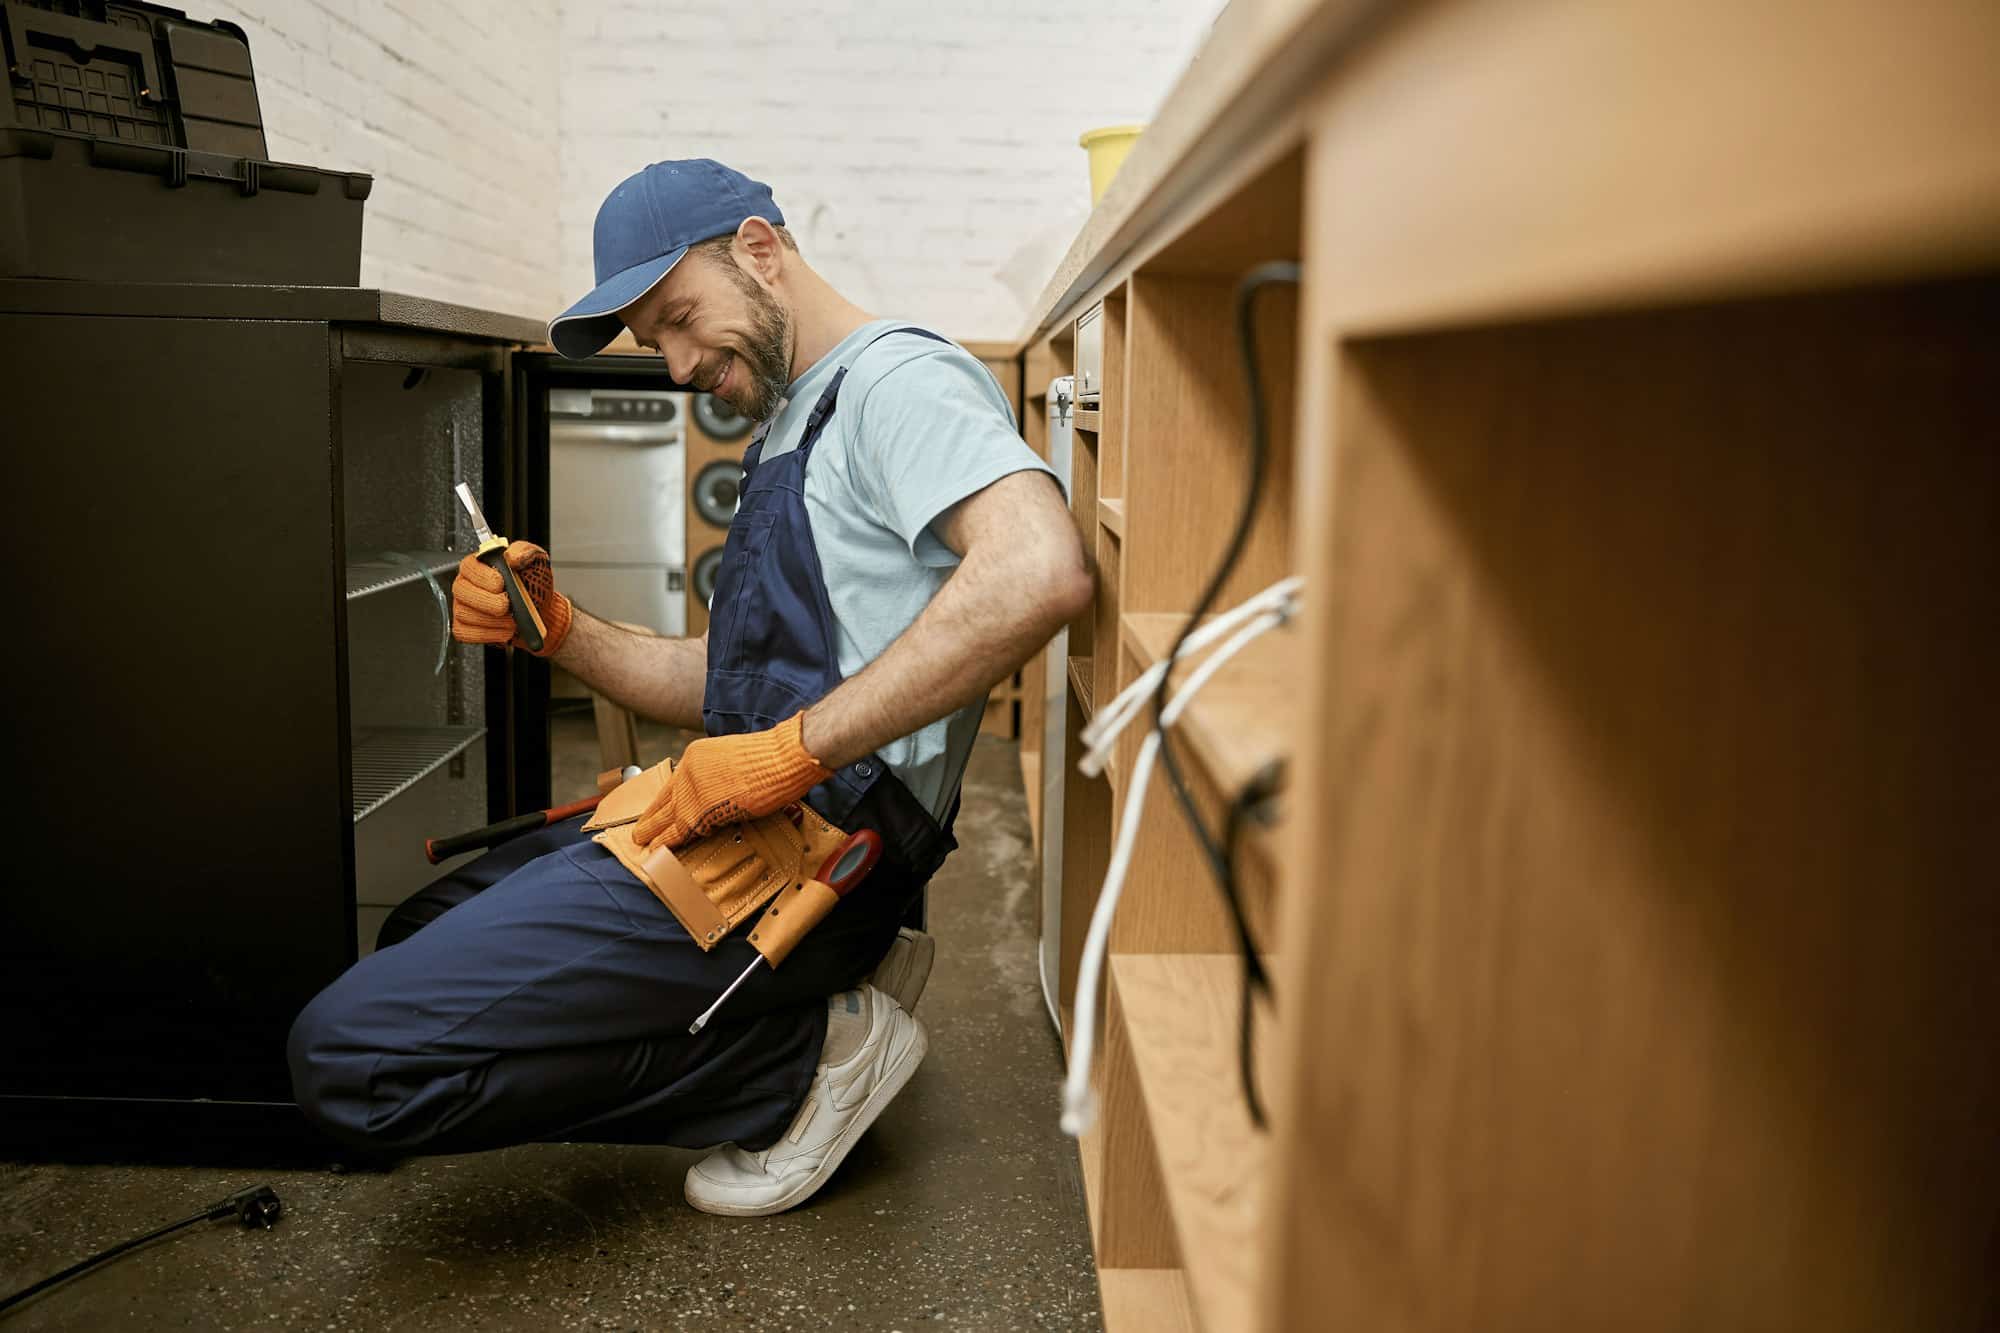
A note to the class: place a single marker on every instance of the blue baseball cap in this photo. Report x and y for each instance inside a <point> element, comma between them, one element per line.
<point>643,229</point>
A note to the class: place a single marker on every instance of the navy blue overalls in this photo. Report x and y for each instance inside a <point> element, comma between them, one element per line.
<point>542,992</point>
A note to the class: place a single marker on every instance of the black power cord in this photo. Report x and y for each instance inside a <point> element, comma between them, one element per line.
<point>1221,857</point>
<point>1252,803</point>
<point>257,1206</point>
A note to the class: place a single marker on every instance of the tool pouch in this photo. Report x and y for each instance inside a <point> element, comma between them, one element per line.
<point>713,883</point>
<point>796,909</point>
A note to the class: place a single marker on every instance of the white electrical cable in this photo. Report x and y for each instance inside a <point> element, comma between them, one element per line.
<point>1079,1107</point>
<point>1112,719</point>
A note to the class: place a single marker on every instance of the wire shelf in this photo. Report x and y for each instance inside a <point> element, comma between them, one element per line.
<point>388,761</point>
<point>379,573</point>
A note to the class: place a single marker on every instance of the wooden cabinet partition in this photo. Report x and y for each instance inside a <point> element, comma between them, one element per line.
<point>1629,900</point>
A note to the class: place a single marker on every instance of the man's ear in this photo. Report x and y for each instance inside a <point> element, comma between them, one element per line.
<point>759,249</point>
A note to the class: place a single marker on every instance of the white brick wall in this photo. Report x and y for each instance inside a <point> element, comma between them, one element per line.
<point>915,145</point>
<point>451,104</point>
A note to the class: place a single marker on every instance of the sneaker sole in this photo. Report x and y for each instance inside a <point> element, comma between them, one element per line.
<point>900,1070</point>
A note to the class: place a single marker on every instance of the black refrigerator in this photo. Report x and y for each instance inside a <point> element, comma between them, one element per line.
<point>234,710</point>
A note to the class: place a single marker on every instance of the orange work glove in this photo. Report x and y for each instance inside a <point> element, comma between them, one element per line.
<point>479,610</point>
<point>728,779</point>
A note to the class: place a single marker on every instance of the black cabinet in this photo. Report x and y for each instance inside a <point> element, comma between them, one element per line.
<point>233,709</point>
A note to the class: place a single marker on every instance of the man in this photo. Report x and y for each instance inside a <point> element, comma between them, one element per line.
<point>898,550</point>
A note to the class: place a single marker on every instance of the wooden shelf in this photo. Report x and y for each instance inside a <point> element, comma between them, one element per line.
<point>1080,684</point>
<point>1145,1300</point>
<point>1241,720</point>
<point>1090,1157</point>
<point>1518,679</point>
<point>1090,1143</point>
<point>1180,1014</point>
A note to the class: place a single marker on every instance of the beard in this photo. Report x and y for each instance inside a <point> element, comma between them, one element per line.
<point>766,356</point>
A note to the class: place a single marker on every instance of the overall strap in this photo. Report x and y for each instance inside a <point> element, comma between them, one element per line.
<point>755,451</point>
<point>822,411</point>
<point>904,328</point>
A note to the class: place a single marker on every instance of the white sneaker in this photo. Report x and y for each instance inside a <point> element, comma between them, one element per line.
<point>841,1104</point>
<point>905,968</point>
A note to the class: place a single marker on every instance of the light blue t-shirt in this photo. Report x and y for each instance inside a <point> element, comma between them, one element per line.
<point>920,426</point>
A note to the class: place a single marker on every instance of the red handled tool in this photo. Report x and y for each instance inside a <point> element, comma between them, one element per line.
<point>847,867</point>
<point>439,850</point>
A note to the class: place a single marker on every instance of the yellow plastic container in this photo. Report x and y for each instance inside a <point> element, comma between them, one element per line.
<point>1107,147</point>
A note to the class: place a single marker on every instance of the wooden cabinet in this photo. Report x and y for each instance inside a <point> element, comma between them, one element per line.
<point>1629,902</point>
<point>237,531</point>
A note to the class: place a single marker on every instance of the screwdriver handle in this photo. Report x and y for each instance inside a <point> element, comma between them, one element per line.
<point>850,862</point>
<point>798,909</point>
<point>527,623</point>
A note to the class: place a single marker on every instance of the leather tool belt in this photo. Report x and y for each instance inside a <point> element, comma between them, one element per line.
<point>713,883</point>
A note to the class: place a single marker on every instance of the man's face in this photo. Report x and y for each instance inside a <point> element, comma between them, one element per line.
<point>718,330</point>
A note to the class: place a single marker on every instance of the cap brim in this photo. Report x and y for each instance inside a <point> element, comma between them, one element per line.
<point>587,328</point>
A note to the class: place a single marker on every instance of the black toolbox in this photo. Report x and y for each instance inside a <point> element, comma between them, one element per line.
<point>132,150</point>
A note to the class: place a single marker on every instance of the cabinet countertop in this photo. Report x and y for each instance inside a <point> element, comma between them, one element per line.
<point>332,305</point>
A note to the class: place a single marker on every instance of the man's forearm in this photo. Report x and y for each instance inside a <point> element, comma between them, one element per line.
<point>654,677</point>
<point>987,620</point>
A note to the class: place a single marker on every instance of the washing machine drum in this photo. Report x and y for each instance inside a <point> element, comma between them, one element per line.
<point>706,566</point>
<point>717,488</point>
<point>718,420</point>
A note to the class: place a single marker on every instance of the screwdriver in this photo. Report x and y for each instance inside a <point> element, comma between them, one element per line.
<point>493,551</point>
<point>847,867</point>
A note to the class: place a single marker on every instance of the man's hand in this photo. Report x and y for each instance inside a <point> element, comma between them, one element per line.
<point>479,609</point>
<point>728,779</point>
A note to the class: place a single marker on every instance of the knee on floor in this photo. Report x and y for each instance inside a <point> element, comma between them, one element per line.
<point>358,1087</point>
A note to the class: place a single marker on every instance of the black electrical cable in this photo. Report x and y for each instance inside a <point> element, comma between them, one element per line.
<point>1253,802</point>
<point>1221,865</point>
<point>257,1206</point>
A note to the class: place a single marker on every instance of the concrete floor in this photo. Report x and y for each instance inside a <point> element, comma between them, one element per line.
<point>962,1208</point>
